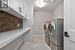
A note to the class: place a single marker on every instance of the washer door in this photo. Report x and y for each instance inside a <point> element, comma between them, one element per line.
<point>52,33</point>
<point>47,39</point>
<point>50,28</point>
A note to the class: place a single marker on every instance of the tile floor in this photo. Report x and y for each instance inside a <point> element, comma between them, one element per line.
<point>36,42</point>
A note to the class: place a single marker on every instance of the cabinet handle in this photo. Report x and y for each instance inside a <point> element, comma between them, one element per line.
<point>20,9</point>
<point>66,34</point>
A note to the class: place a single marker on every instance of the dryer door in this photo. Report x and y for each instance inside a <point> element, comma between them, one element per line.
<point>50,28</point>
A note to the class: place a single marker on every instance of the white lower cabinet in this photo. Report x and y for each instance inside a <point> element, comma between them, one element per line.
<point>14,45</point>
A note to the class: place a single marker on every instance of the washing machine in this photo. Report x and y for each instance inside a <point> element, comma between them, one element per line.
<point>56,34</point>
<point>47,38</point>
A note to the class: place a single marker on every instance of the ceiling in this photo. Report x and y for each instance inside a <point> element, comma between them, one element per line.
<point>50,6</point>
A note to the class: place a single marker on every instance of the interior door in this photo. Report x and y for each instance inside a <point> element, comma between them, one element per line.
<point>72,24</point>
<point>69,24</point>
<point>67,43</point>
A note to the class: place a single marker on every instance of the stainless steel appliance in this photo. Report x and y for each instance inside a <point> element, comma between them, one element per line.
<point>56,34</point>
<point>47,38</point>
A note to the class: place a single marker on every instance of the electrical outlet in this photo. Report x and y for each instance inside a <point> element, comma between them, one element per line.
<point>18,25</point>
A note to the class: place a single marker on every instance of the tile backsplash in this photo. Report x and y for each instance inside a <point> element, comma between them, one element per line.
<point>9,22</point>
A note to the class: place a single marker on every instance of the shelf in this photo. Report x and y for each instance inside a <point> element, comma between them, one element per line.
<point>10,10</point>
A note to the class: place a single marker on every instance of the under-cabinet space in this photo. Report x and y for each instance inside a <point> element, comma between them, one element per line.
<point>9,22</point>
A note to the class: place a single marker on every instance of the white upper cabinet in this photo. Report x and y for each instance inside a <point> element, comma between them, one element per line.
<point>19,6</point>
<point>16,5</point>
<point>24,6</point>
<point>8,2</point>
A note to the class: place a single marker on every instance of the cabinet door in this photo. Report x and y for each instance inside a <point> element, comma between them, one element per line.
<point>5,1</point>
<point>25,7</point>
<point>19,5</point>
<point>10,3</point>
<point>15,4</point>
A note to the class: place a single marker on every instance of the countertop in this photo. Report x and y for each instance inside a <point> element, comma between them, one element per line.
<point>7,37</point>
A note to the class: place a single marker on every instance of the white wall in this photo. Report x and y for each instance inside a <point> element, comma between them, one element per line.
<point>29,12</point>
<point>59,11</point>
<point>40,17</point>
